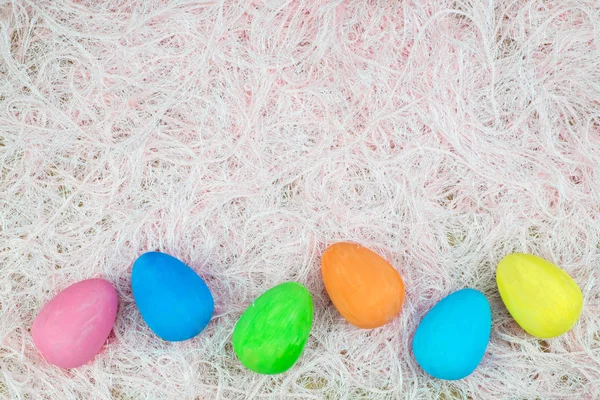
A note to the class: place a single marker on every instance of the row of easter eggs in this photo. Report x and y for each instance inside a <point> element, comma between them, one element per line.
<point>271,334</point>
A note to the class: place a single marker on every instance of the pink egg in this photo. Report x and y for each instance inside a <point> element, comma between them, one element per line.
<point>72,327</point>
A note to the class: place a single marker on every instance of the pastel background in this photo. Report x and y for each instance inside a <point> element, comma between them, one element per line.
<point>244,137</point>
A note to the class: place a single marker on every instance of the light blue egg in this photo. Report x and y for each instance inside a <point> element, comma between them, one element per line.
<point>173,300</point>
<point>452,337</point>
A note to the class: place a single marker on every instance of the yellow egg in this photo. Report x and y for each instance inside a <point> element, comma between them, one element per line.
<point>541,297</point>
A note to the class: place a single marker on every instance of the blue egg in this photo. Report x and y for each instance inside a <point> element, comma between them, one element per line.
<point>173,300</point>
<point>452,337</point>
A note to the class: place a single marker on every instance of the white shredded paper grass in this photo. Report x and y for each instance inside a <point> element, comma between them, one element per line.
<point>243,137</point>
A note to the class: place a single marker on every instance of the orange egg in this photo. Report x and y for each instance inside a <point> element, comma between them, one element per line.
<point>364,287</point>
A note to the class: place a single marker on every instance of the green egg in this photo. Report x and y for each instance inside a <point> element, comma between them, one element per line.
<point>272,332</point>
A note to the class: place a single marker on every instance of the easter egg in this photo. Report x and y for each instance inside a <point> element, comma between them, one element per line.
<point>543,299</point>
<point>73,327</point>
<point>364,287</point>
<point>270,335</point>
<point>452,337</point>
<point>173,300</point>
